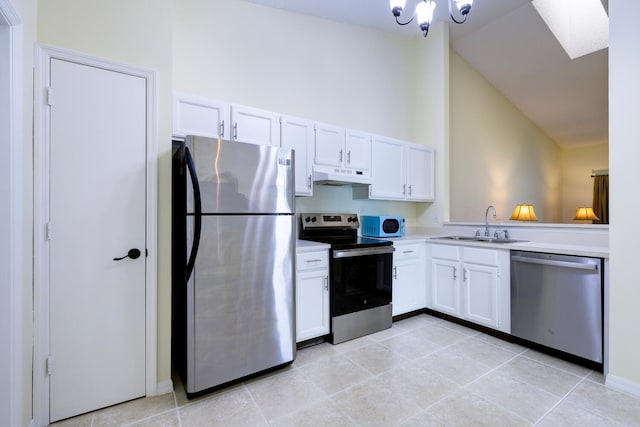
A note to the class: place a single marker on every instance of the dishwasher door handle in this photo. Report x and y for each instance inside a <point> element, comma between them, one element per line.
<point>555,263</point>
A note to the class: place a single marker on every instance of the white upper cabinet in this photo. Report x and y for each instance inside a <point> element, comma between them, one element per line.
<point>340,148</point>
<point>420,178</point>
<point>387,164</point>
<point>358,150</point>
<point>329,150</point>
<point>400,171</point>
<point>193,115</point>
<point>254,126</point>
<point>297,134</point>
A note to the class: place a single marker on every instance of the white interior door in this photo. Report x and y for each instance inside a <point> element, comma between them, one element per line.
<point>97,213</point>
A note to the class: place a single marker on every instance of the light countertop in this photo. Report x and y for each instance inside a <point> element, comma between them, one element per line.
<point>557,248</point>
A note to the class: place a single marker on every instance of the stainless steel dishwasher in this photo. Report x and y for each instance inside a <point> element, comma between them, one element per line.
<point>556,301</point>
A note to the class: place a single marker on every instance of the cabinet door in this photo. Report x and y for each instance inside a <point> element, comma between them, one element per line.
<point>254,126</point>
<point>297,134</point>
<point>480,303</point>
<point>312,304</point>
<point>329,145</point>
<point>444,286</point>
<point>358,151</point>
<point>408,288</point>
<point>420,173</point>
<point>193,115</point>
<point>387,169</point>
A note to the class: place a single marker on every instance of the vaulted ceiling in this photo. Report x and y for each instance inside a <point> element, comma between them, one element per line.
<point>509,44</point>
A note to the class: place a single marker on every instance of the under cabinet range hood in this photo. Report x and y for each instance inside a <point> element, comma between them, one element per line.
<point>330,175</point>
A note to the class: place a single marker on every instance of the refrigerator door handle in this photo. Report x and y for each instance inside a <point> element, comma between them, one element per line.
<point>197,223</point>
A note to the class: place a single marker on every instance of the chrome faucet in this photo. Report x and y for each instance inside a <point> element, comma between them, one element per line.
<point>486,219</point>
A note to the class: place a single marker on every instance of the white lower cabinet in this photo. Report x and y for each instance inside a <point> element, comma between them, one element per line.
<point>312,295</point>
<point>472,283</point>
<point>409,277</point>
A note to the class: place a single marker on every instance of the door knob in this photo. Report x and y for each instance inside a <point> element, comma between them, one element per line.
<point>133,254</point>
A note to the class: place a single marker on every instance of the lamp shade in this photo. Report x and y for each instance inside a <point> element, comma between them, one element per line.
<point>524,212</point>
<point>585,214</point>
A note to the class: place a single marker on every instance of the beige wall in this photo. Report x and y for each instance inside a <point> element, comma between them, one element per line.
<point>136,33</point>
<point>577,184</point>
<point>624,176</point>
<point>497,156</point>
<point>432,116</point>
<point>304,66</point>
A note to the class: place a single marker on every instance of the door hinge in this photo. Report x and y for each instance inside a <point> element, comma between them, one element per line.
<point>49,96</point>
<point>48,231</point>
<point>49,365</point>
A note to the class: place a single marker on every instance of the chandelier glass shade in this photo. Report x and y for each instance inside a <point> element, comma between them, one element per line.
<point>423,13</point>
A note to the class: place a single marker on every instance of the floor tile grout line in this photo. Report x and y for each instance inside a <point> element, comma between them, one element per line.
<point>559,401</point>
<point>596,412</point>
<point>515,356</point>
<point>264,417</point>
<point>327,396</point>
<point>136,421</point>
<point>175,401</point>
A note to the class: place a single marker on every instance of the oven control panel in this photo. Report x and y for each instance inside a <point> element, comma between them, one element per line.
<point>329,220</point>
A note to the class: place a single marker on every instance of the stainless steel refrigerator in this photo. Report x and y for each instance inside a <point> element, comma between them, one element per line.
<point>233,233</point>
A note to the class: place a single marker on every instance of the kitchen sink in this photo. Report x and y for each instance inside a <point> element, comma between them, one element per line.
<point>479,239</point>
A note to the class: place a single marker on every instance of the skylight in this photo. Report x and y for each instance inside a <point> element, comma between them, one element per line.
<point>581,26</point>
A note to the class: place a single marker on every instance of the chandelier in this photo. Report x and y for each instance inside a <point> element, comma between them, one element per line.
<point>424,12</point>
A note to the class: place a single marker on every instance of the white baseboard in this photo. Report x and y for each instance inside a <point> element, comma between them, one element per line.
<point>622,384</point>
<point>164,387</point>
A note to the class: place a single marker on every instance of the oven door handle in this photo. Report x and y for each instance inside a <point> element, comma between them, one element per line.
<point>346,253</point>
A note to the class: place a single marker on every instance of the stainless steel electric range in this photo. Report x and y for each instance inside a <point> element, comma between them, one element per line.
<point>360,271</point>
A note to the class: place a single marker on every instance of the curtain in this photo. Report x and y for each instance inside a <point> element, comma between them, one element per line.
<point>601,198</point>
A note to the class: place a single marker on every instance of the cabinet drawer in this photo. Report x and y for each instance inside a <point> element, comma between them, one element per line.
<point>481,256</point>
<point>445,252</point>
<point>312,260</point>
<point>408,251</point>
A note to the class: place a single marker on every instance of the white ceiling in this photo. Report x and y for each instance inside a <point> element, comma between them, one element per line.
<point>510,45</point>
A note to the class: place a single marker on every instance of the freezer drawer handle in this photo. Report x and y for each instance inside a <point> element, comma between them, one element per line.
<point>133,254</point>
<point>566,264</point>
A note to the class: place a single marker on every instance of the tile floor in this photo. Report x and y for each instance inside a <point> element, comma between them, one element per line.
<point>424,371</point>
